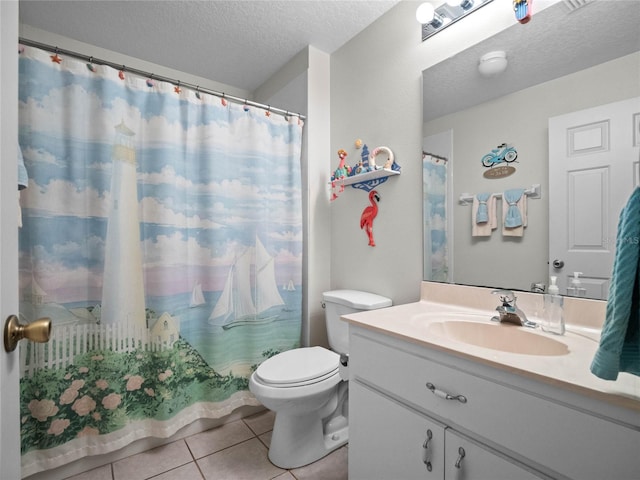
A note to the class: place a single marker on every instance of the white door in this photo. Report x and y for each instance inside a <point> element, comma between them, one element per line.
<point>9,381</point>
<point>593,168</point>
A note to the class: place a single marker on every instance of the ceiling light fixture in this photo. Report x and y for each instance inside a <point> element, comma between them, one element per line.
<point>435,19</point>
<point>492,63</point>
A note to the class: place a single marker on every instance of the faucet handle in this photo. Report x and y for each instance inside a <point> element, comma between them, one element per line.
<point>507,297</point>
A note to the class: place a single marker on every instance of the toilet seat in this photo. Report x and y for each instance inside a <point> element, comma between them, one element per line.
<point>298,367</point>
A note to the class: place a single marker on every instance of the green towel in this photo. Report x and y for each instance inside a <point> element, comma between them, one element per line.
<point>619,349</point>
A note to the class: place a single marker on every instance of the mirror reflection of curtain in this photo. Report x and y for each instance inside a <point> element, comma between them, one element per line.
<point>435,208</point>
<point>146,204</point>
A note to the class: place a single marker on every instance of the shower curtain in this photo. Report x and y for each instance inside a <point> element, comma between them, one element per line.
<point>162,234</point>
<point>434,175</point>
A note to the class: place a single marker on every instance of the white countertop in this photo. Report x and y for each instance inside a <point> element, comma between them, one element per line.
<point>412,321</point>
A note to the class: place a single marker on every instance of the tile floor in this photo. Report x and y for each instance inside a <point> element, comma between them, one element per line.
<point>234,451</point>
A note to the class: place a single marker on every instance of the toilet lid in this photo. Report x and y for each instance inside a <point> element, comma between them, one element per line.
<point>298,365</point>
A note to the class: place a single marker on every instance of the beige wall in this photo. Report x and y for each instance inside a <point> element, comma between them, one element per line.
<point>376,95</point>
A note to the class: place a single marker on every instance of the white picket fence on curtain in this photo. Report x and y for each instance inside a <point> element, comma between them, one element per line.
<point>67,341</point>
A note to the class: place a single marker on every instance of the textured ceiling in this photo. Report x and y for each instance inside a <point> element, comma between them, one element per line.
<point>241,43</point>
<point>556,42</point>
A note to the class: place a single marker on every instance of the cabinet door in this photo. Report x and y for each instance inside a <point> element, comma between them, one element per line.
<point>466,459</point>
<point>390,441</point>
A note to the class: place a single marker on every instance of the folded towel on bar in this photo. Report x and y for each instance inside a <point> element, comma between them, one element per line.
<point>480,227</point>
<point>619,349</point>
<point>482,213</point>
<point>514,212</point>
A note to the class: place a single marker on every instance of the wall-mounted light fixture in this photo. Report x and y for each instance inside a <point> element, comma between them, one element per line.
<point>436,18</point>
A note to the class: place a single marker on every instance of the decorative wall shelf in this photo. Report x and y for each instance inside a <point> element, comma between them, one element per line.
<point>369,180</point>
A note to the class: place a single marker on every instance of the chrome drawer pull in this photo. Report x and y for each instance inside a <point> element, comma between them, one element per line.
<point>461,454</point>
<point>426,453</point>
<point>445,395</point>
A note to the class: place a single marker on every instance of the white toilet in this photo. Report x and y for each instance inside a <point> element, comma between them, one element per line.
<point>308,387</point>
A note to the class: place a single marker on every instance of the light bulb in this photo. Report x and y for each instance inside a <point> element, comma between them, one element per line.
<point>438,20</point>
<point>425,13</point>
<point>466,4</point>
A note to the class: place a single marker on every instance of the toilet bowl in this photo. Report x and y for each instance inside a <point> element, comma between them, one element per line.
<point>308,388</point>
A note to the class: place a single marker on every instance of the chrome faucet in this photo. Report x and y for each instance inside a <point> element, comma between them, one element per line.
<point>509,311</point>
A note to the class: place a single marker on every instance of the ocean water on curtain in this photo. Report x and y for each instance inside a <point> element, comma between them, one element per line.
<point>226,350</point>
<point>162,234</point>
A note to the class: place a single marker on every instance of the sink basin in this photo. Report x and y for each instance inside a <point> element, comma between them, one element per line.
<point>496,336</point>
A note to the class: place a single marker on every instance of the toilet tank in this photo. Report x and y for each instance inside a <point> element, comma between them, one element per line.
<point>343,302</point>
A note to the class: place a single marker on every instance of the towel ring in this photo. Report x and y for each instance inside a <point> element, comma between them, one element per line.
<point>374,153</point>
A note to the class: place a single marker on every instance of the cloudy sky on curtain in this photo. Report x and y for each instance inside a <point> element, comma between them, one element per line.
<point>162,233</point>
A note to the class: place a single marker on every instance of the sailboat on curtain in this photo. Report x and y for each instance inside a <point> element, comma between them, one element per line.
<point>197,297</point>
<point>244,303</point>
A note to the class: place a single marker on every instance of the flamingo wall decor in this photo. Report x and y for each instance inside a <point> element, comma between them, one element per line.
<point>368,215</point>
<point>365,175</point>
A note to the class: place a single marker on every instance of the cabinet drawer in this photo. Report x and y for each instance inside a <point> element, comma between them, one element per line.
<point>539,431</point>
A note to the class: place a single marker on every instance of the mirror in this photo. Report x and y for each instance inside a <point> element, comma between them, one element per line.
<point>566,59</point>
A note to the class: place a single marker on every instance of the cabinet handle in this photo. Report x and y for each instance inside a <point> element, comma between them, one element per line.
<point>461,454</point>
<point>426,453</point>
<point>445,395</point>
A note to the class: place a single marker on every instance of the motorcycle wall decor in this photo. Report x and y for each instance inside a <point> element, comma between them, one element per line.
<point>498,161</point>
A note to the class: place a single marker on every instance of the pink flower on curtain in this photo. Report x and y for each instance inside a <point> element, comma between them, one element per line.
<point>102,384</point>
<point>77,384</point>
<point>58,426</point>
<point>42,409</point>
<point>84,406</point>
<point>134,383</point>
<point>68,396</point>
<point>111,401</point>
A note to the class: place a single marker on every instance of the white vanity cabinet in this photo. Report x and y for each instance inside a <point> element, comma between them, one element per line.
<point>509,427</point>
<point>391,441</point>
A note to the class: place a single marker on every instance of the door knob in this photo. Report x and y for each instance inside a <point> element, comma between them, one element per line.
<point>558,263</point>
<point>38,331</point>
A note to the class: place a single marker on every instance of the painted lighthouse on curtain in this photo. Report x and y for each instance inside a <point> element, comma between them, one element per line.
<point>123,288</point>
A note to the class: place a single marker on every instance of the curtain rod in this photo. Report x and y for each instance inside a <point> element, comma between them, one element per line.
<point>439,157</point>
<point>197,88</point>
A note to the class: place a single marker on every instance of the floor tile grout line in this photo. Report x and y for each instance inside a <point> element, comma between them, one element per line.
<point>189,448</point>
<point>226,448</point>
<point>174,468</point>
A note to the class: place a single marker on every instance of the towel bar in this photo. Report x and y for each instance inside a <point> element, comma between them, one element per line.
<point>533,192</point>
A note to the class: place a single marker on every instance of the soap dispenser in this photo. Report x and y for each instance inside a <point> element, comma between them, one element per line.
<point>552,317</point>
<point>575,289</point>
